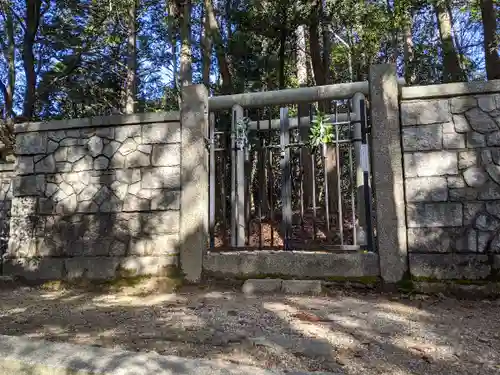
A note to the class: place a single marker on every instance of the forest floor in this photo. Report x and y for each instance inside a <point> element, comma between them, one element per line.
<point>344,332</point>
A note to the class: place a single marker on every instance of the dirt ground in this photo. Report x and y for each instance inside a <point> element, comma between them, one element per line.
<point>345,332</point>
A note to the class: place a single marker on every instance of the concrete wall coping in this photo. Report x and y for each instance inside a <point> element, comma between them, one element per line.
<point>7,167</point>
<point>450,89</point>
<point>98,121</point>
<point>23,355</point>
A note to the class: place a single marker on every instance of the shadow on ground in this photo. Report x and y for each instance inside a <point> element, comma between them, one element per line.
<point>344,333</point>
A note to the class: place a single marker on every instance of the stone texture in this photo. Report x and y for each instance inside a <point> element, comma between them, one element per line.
<point>71,215</point>
<point>462,104</point>
<point>96,268</point>
<point>421,138</point>
<point>34,268</point>
<point>194,179</point>
<point>425,112</point>
<point>420,164</point>
<point>426,189</point>
<point>388,177</point>
<point>475,176</point>
<point>430,215</point>
<point>291,264</point>
<point>30,144</point>
<point>259,286</point>
<point>480,121</point>
<point>311,287</point>
<point>461,124</point>
<point>450,266</point>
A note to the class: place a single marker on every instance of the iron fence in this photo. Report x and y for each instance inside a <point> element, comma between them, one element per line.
<point>292,177</point>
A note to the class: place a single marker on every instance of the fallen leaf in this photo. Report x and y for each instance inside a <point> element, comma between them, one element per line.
<point>309,317</point>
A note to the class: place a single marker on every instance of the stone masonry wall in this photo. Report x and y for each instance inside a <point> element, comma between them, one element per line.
<point>451,152</point>
<point>96,198</point>
<point>6,174</point>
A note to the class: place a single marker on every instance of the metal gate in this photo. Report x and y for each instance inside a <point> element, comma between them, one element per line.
<point>291,178</point>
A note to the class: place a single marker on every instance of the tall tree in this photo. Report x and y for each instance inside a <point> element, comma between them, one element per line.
<point>31,25</point>
<point>186,72</point>
<point>131,80</point>
<point>9,49</point>
<point>452,71</point>
<point>489,17</point>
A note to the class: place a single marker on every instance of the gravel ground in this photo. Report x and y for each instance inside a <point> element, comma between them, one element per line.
<point>345,332</point>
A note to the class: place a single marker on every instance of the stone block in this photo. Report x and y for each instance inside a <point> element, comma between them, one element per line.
<point>24,165</point>
<point>28,185</point>
<point>165,200</point>
<point>166,155</point>
<point>426,189</point>
<point>461,124</point>
<point>299,264</point>
<point>161,177</point>
<point>312,287</point>
<point>36,269</point>
<point>423,138</point>
<point>157,245</point>
<point>97,268</point>
<point>467,159</point>
<point>425,112</point>
<point>475,176</point>
<point>434,163</point>
<point>30,143</point>
<point>128,131</point>
<point>455,182</point>
<point>431,240</point>
<point>450,266</point>
<point>475,139</point>
<point>453,141</point>
<point>137,159</point>
<point>428,215</point>
<point>161,133</point>
<point>486,103</point>
<point>147,266</point>
<point>24,206</point>
<point>489,191</point>
<point>462,104</point>
<point>261,286</point>
<point>481,122</point>
<point>493,139</point>
<point>462,194</point>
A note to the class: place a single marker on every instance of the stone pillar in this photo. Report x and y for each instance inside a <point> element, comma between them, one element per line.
<point>388,173</point>
<point>194,181</point>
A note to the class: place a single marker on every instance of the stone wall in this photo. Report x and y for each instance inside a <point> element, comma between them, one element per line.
<point>96,198</point>
<point>6,174</point>
<point>451,154</point>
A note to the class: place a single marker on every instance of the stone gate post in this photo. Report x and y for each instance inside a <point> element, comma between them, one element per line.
<point>387,169</point>
<point>194,181</point>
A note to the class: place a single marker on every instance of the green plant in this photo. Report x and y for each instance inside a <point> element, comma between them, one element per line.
<point>321,131</point>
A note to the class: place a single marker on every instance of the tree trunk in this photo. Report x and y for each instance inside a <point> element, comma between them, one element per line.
<point>489,16</point>
<point>408,50</point>
<point>186,73</point>
<point>32,23</point>
<point>11,63</point>
<point>303,111</point>
<point>219,47</point>
<point>207,50</point>
<point>131,83</point>
<point>452,71</point>
<point>282,50</point>
<point>327,44</point>
<point>315,48</point>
